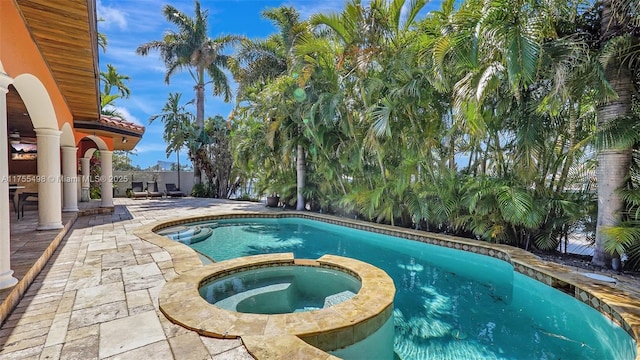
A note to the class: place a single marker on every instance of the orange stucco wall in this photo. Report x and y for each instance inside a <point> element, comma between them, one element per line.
<point>19,55</point>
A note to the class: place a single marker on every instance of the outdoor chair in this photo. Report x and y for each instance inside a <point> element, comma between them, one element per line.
<point>13,188</point>
<point>152,189</point>
<point>137,190</point>
<point>26,198</point>
<point>173,191</point>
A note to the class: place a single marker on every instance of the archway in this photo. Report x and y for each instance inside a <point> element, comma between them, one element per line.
<point>45,124</point>
<point>106,171</point>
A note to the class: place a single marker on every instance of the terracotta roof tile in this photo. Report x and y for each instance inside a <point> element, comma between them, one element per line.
<point>122,124</point>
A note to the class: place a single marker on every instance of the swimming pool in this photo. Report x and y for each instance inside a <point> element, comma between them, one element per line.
<point>449,304</point>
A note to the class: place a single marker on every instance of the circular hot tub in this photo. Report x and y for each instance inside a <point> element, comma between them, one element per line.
<point>281,289</point>
<point>335,304</point>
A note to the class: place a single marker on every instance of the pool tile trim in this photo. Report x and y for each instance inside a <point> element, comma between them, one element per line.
<point>617,304</point>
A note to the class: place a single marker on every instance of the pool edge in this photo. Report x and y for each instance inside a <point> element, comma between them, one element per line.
<point>618,304</point>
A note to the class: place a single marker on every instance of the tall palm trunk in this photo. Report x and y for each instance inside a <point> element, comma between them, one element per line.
<point>613,164</point>
<point>301,169</point>
<point>197,171</point>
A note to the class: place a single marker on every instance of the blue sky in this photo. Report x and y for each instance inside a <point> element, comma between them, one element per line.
<point>129,23</point>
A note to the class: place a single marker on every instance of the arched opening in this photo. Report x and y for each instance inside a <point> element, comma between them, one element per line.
<point>37,109</point>
<point>96,166</point>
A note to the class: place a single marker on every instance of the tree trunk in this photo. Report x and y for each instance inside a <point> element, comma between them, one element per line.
<point>197,171</point>
<point>178,169</point>
<point>300,177</point>
<point>613,164</point>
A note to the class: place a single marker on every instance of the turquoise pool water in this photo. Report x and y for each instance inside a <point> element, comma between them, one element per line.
<point>449,304</point>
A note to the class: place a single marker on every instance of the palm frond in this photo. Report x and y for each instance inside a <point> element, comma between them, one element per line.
<point>620,133</point>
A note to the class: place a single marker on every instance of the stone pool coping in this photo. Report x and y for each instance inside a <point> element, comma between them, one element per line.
<point>329,329</point>
<point>619,303</point>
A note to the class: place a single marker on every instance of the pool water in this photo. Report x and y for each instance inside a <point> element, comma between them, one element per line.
<point>449,304</point>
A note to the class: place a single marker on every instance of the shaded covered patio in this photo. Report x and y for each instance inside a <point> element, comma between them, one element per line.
<point>50,118</point>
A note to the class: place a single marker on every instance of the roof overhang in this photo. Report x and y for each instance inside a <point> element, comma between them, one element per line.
<point>125,134</point>
<point>66,34</point>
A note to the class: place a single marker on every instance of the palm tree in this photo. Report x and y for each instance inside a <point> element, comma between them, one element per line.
<point>267,72</point>
<point>220,159</point>
<point>102,39</point>
<point>395,101</point>
<point>619,36</point>
<point>112,79</point>
<point>177,121</point>
<point>373,96</point>
<point>192,50</point>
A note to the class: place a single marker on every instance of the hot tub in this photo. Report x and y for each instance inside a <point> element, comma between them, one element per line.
<point>281,289</point>
<point>335,304</point>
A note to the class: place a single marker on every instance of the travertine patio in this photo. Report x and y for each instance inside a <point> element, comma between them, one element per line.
<point>97,296</point>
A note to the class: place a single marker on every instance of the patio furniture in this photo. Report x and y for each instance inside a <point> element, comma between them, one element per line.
<point>173,191</point>
<point>152,189</point>
<point>26,198</point>
<point>137,190</point>
<point>13,188</point>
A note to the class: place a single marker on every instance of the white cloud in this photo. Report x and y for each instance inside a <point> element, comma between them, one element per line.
<point>149,106</point>
<point>143,147</point>
<point>308,8</point>
<point>126,115</point>
<point>112,16</point>
<point>126,57</point>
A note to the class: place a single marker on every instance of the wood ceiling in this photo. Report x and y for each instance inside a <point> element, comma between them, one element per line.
<point>65,31</point>
<point>17,116</point>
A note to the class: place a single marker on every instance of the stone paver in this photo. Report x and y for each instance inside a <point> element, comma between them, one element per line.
<point>129,333</point>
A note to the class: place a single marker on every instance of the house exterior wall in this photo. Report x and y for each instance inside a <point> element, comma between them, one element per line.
<point>20,55</point>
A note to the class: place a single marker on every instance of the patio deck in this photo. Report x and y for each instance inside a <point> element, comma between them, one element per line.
<point>97,297</point>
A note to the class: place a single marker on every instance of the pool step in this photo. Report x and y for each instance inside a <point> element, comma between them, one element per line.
<point>189,235</point>
<point>232,301</point>
<point>338,298</point>
<point>172,230</point>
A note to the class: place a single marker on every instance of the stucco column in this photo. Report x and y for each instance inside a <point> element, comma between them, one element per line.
<point>6,274</point>
<point>70,177</point>
<point>106,163</point>
<point>85,165</point>
<point>49,194</point>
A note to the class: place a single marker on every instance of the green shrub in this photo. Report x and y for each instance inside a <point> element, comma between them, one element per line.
<point>203,190</point>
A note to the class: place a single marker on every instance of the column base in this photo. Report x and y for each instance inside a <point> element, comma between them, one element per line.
<point>50,226</point>
<point>7,280</point>
<point>106,205</point>
<point>73,209</point>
